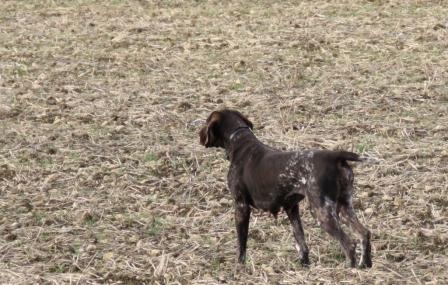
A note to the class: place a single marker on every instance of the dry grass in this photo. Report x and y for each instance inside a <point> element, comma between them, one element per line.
<point>102,178</point>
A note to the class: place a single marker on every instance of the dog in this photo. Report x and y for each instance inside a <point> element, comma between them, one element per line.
<point>271,180</point>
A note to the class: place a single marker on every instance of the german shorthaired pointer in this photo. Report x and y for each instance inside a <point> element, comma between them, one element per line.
<point>269,179</point>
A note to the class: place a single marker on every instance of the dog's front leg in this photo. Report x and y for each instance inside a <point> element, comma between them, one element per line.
<point>302,248</point>
<point>242,216</point>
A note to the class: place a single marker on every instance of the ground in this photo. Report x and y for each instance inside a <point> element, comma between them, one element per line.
<point>103,180</point>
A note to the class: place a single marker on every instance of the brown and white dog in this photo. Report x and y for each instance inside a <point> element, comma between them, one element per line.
<point>271,180</point>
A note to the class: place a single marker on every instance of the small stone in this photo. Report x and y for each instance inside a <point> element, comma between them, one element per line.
<point>387,198</point>
<point>108,256</point>
<point>91,247</point>
<point>368,211</point>
<point>15,225</point>
<point>51,101</point>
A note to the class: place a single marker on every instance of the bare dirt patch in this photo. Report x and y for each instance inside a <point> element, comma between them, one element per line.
<point>102,179</point>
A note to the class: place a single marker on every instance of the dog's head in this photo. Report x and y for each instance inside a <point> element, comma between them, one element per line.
<point>219,126</point>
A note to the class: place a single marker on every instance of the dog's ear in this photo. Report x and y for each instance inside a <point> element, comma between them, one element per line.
<point>207,135</point>
<point>246,120</point>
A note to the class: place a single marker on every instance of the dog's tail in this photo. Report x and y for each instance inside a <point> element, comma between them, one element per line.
<point>351,156</point>
<point>345,171</point>
<point>345,156</point>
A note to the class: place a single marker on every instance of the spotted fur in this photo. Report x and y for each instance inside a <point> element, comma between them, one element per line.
<point>272,180</point>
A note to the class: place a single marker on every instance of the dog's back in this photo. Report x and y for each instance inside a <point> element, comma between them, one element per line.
<point>272,177</point>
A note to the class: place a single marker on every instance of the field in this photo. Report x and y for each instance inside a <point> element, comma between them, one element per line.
<point>103,180</point>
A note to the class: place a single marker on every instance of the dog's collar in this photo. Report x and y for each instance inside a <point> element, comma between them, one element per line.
<point>237,130</point>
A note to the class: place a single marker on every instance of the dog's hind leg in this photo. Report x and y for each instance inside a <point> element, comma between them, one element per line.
<point>326,214</point>
<point>348,215</point>
<point>302,248</point>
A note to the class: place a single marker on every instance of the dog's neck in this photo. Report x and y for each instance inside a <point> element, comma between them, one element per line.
<point>240,137</point>
<point>237,130</point>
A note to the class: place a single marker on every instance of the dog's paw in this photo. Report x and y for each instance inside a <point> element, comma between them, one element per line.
<point>242,259</point>
<point>365,264</point>
<point>304,260</point>
<point>350,263</point>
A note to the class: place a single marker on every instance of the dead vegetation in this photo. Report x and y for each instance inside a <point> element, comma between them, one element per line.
<point>102,179</point>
